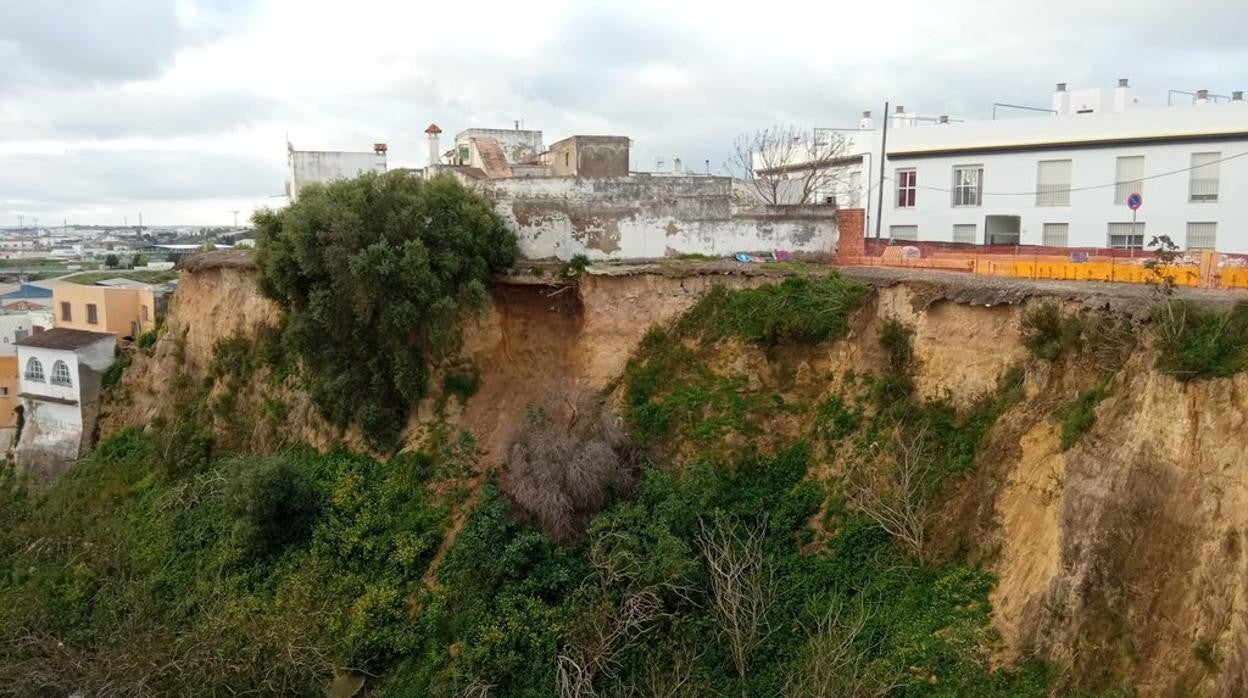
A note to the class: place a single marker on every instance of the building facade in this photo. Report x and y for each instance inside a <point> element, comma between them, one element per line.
<point>60,377</point>
<point>588,156</point>
<point>1061,179</point>
<point>120,311</point>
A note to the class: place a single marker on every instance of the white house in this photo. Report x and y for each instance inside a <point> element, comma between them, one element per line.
<point>60,375</point>
<point>1062,178</point>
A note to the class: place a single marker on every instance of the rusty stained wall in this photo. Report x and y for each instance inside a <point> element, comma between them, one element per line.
<point>649,218</point>
<point>590,156</point>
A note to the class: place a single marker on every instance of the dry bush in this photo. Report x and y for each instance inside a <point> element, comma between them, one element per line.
<point>892,489</point>
<point>743,586</point>
<point>571,453</point>
<point>836,664</point>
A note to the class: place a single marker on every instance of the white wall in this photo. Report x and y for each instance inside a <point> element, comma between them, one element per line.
<point>648,218</point>
<point>10,323</point>
<point>70,415</point>
<point>308,166</point>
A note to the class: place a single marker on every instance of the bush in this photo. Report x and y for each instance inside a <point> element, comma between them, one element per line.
<point>273,502</point>
<point>462,383</point>
<point>147,340</point>
<point>374,274</point>
<point>565,461</point>
<point>1081,414</point>
<point>112,375</point>
<point>896,338</point>
<point>1194,343</point>
<point>1049,333</point>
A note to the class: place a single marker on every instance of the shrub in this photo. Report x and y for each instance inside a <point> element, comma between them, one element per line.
<point>575,267</point>
<point>896,338</point>
<point>1049,333</point>
<point>273,502</point>
<point>1194,342</point>
<point>112,374</point>
<point>561,467</point>
<point>374,274</point>
<point>147,340</point>
<point>462,383</point>
<point>1081,414</point>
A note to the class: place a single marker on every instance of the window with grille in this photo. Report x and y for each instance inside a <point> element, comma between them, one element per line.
<point>1126,236</point>
<point>1057,234</point>
<point>907,188</point>
<point>92,316</point>
<point>1128,178</point>
<point>903,232</point>
<point>34,370</point>
<point>1053,183</point>
<point>60,374</point>
<point>1202,236</point>
<point>964,232</point>
<point>968,185</point>
<point>1203,182</point>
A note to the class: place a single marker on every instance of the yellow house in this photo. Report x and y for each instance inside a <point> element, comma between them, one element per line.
<point>122,311</point>
<point>8,391</point>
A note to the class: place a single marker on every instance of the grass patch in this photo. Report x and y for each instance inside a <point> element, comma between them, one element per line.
<point>1051,334</point>
<point>803,310</point>
<point>1080,415</point>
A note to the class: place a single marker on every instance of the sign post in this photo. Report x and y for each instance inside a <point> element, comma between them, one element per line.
<point>1134,201</point>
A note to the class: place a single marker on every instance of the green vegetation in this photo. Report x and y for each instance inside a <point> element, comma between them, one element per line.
<point>147,276</point>
<point>1194,342</point>
<point>802,310</point>
<point>462,383</point>
<point>1051,334</point>
<point>575,267</point>
<point>1080,415</point>
<point>112,375</point>
<point>374,274</point>
<point>147,340</point>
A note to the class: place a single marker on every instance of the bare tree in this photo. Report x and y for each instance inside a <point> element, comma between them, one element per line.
<point>743,586</point>
<point>836,664</point>
<point>787,165</point>
<point>611,634</point>
<point>892,488</point>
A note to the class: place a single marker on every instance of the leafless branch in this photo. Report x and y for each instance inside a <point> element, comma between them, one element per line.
<point>743,585</point>
<point>892,488</point>
<point>787,165</point>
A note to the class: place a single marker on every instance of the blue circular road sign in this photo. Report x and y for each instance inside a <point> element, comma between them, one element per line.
<point>1135,201</point>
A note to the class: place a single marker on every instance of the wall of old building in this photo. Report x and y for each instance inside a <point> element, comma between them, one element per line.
<point>651,217</point>
<point>590,156</point>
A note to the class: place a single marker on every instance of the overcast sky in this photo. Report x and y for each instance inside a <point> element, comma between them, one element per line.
<point>180,109</point>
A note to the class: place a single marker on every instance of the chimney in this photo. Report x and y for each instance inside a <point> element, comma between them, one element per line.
<point>676,165</point>
<point>379,157</point>
<point>899,117</point>
<point>1237,96</point>
<point>1061,99</point>
<point>944,119</point>
<point>866,123</point>
<point>1122,95</point>
<point>433,132</point>
<point>1202,97</point>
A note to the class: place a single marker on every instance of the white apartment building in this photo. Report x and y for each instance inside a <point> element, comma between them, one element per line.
<point>1063,178</point>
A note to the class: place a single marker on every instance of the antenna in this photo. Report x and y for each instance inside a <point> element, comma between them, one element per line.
<point>21,221</point>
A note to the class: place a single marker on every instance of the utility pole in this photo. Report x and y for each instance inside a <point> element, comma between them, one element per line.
<point>879,210</point>
<point>21,221</point>
<point>235,212</point>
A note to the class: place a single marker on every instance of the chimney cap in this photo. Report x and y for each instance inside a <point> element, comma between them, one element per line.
<point>901,109</point>
<point>944,118</point>
<point>1122,82</point>
<point>1202,94</point>
<point>433,129</point>
<point>1061,87</point>
<point>866,114</point>
<point>1237,96</point>
<point>379,147</point>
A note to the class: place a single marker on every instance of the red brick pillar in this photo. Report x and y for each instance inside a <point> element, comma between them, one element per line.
<point>850,224</point>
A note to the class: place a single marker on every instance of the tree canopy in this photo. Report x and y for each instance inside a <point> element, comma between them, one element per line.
<point>374,273</point>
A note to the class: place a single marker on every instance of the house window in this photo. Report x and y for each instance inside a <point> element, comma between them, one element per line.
<point>1128,178</point>
<point>907,186</point>
<point>34,370</point>
<point>143,313</point>
<point>1202,236</point>
<point>4,392</point>
<point>1126,236</point>
<point>465,156</point>
<point>1204,180</point>
<point>968,185</point>
<point>92,317</point>
<point>60,374</point>
<point>1053,183</point>
<point>66,315</point>
<point>903,232</point>
<point>1057,234</point>
<point>964,232</point>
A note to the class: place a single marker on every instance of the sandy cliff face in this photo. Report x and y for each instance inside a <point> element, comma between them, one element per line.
<point>1121,558</point>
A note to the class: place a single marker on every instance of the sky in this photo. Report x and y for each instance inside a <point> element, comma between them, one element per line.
<point>180,110</point>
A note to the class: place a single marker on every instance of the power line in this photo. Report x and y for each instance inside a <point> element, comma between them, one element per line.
<point>1158,175</point>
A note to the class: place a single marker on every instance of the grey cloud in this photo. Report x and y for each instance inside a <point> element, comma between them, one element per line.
<point>84,41</point>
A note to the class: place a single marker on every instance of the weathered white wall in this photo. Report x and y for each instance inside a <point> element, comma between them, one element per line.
<point>309,166</point>
<point>650,217</point>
